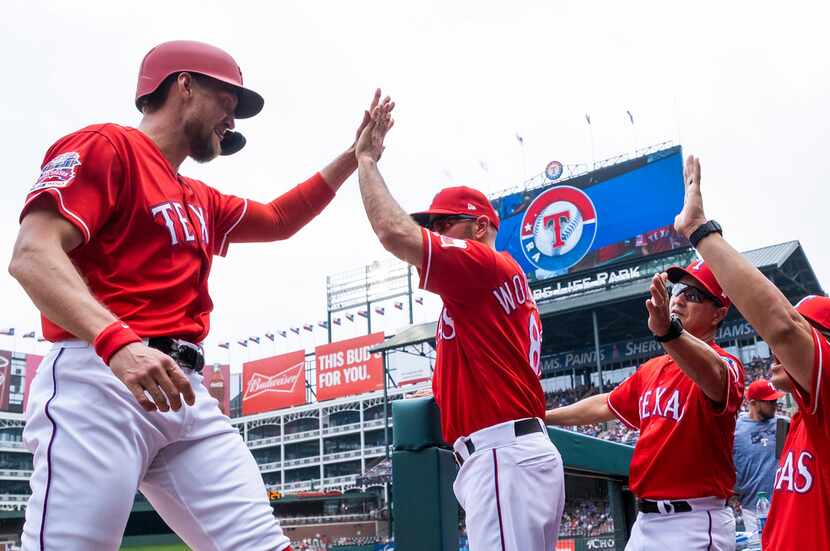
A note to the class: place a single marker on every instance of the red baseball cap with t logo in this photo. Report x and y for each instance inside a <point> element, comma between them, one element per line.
<point>700,272</point>
<point>458,200</point>
<point>762,390</point>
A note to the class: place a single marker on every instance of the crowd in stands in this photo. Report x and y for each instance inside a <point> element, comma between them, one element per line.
<point>323,543</point>
<point>586,518</point>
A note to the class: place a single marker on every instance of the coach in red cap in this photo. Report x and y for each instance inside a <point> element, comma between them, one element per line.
<point>798,339</point>
<point>684,403</point>
<point>115,248</point>
<point>489,343</point>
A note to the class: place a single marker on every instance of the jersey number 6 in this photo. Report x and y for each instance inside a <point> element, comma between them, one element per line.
<point>535,349</point>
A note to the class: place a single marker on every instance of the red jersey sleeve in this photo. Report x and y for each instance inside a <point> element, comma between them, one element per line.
<point>811,401</point>
<point>81,174</point>
<point>246,221</point>
<point>624,401</point>
<point>456,269</point>
<point>734,385</point>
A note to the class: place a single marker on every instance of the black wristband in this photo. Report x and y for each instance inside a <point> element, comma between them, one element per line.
<point>703,230</point>
<point>675,330</point>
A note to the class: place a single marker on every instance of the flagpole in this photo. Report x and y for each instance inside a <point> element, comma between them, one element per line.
<point>633,131</point>
<point>591,135</point>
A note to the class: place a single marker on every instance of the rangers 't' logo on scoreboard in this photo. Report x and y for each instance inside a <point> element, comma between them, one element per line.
<point>558,228</point>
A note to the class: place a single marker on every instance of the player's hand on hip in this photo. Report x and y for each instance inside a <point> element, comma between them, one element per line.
<point>659,317</point>
<point>692,216</point>
<point>370,141</point>
<point>145,370</point>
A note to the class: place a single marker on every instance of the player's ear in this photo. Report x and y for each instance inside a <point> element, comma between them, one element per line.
<point>184,84</point>
<point>482,227</point>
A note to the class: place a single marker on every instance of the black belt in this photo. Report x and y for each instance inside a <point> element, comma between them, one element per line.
<point>521,428</point>
<point>186,355</point>
<point>648,506</point>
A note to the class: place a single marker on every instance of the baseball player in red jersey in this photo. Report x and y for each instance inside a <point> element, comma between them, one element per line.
<point>486,381</point>
<point>685,405</point>
<point>798,337</point>
<point>115,247</point>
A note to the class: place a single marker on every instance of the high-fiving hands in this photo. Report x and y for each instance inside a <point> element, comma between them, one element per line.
<point>692,216</point>
<point>372,132</point>
<point>659,318</point>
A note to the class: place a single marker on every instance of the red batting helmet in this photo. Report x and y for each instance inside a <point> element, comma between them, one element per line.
<point>197,57</point>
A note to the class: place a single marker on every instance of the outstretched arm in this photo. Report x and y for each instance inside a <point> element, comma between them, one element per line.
<point>759,301</point>
<point>593,409</point>
<point>396,230</point>
<point>694,357</point>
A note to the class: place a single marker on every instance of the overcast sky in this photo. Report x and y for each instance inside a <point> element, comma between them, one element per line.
<point>744,87</point>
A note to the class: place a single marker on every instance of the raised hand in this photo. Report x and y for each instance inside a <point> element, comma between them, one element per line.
<point>367,117</point>
<point>659,318</point>
<point>692,216</point>
<point>370,142</point>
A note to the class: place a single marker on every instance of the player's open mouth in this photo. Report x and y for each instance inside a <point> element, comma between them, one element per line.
<point>220,133</point>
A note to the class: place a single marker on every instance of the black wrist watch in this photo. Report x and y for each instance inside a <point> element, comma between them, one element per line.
<point>675,330</point>
<point>703,230</point>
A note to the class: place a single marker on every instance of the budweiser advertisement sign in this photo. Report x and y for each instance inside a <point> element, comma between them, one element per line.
<point>5,378</point>
<point>347,367</point>
<point>32,363</point>
<point>217,379</point>
<point>273,383</point>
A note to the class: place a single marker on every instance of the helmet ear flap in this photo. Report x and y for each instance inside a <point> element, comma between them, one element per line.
<point>232,142</point>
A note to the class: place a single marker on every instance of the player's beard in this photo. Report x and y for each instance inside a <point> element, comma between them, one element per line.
<point>200,138</point>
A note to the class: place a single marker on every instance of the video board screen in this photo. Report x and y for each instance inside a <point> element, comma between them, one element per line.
<point>610,215</point>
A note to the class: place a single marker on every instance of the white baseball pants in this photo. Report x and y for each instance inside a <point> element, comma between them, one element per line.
<point>512,490</point>
<point>709,527</point>
<point>94,446</point>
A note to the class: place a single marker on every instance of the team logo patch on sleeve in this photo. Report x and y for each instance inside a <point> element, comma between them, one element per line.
<point>58,172</point>
<point>453,242</point>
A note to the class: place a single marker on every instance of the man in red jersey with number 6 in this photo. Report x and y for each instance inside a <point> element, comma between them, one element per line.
<point>486,382</point>
<point>115,248</point>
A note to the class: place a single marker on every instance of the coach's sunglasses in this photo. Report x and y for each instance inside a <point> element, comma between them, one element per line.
<point>693,294</point>
<point>442,223</point>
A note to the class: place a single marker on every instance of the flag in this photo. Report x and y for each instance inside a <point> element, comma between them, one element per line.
<point>283,334</point>
<point>380,310</point>
<point>225,345</point>
<point>295,330</point>
<point>29,335</point>
<point>323,324</point>
<point>521,140</point>
<point>399,305</point>
<point>308,327</point>
<point>350,317</point>
<point>254,339</point>
<point>9,331</point>
<point>243,343</point>
<point>419,300</point>
<point>630,116</point>
<point>336,321</point>
<point>588,118</point>
<point>363,313</point>
<point>270,336</point>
